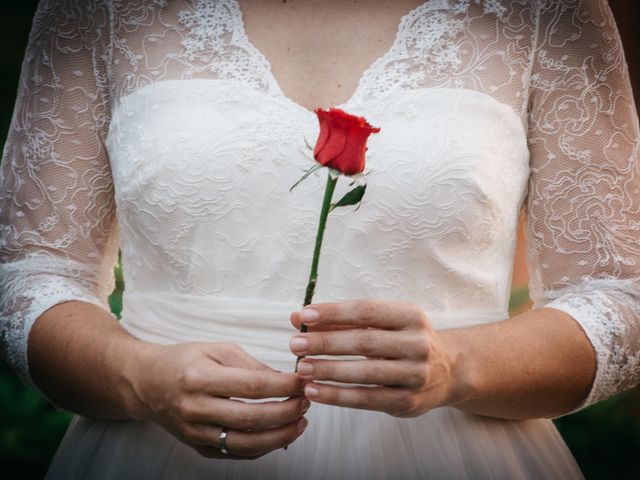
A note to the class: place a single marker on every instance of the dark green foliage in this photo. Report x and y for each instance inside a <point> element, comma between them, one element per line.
<point>605,438</point>
<point>519,297</point>
<point>115,300</point>
<point>31,427</point>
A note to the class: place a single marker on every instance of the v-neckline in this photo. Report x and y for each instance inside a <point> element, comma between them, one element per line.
<point>359,86</point>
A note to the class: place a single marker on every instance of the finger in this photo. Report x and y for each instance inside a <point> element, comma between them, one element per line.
<point>213,452</point>
<point>240,415</point>
<point>224,381</point>
<point>368,342</point>
<point>395,401</point>
<point>246,444</point>
<point>392,373</point>
<point>384,314</point>
<point>297,323</point>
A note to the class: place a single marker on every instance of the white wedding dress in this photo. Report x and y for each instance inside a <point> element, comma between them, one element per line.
<point>157,127</point>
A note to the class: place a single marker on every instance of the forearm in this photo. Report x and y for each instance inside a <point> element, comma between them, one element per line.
<point>82,359</point>
<point>537,364</point>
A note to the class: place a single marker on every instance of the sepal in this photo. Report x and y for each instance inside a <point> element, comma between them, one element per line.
<point>333,173</point>
<point>312,169</point>
<point>307,143</point>
<point>352,197</point>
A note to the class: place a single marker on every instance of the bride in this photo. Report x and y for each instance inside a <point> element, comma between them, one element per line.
<point>172,130</point>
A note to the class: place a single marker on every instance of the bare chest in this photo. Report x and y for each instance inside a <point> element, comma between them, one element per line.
<point>318,50</point>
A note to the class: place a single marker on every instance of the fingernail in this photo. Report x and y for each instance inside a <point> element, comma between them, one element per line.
<point>302,424</point>
<point>310,391</point>
<point>309,315</point>
<point>304,405</point>
<point>298,344</point>
<point>305,368</point>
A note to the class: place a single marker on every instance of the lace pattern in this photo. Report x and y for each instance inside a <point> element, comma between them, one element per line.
<point>601,308</point>
<point>583,207</point>
<point>484,102</point>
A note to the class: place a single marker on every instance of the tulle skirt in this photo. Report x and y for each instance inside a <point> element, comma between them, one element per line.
<point>339,443</point>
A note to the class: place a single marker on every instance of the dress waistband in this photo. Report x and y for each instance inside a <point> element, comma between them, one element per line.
<point>261,327</point>
<point>167,317</point>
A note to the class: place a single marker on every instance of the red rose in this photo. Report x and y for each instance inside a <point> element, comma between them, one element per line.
<point>342,141</point>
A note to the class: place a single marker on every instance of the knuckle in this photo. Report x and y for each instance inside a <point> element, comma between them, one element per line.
<point>367,309</point>
<point>422,346</point>
<point>292,385</point>
<point>247,420</point>
<point>191,379</point>
<point>258,384</point>
<point>244,423</point>
<point>321,370</point>
<point>330,395</point>
<point>375,372</point>
<point>362,402</point>
<point>421,316</point>
<point>185,410</point>
<point>253,385</point>
<point>404,406</point>
<point>365,343</point>
<point>321,344</point>
<point>418,378</point>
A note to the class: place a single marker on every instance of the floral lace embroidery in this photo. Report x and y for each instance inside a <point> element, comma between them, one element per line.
<point>208,24</point>
<point>556,66</point>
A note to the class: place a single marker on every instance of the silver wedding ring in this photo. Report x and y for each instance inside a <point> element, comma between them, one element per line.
<point>223,441</point>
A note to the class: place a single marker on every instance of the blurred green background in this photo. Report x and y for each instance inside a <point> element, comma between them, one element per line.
<point>604,438</point>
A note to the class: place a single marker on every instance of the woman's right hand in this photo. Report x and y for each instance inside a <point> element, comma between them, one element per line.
<point>185,388</point>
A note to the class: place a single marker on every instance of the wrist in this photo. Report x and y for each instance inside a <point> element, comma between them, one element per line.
<point>464,376</point>
<point>135,375</point>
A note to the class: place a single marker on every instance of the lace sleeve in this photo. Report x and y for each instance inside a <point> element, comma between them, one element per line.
<point>57,214</point>
<point>583,207</point>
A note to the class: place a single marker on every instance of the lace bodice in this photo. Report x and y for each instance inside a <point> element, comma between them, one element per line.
<point>157,127</point>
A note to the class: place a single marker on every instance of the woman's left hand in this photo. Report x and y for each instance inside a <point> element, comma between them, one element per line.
<point>408,369</point>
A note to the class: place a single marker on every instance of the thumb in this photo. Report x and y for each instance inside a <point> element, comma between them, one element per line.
<point>233,355</point>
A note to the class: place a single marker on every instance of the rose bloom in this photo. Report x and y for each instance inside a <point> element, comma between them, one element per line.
<point>341,144</point>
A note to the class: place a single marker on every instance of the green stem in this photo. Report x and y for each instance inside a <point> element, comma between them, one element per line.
<point>313,276</point>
